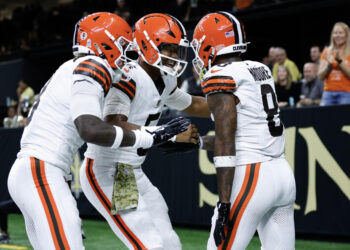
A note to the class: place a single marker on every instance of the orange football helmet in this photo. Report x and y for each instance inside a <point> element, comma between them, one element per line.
<point>105,35</point>
<point>216,34</point>
<point>156,31</point>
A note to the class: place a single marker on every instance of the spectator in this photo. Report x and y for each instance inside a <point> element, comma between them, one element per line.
<point>123,10</point>
<point>243,4</point>
<point>281,59</point>
<point>287,92</point>
<point>315,54</point>
<point>335,67</point>
<point>25,97</point>
<point>270,59</point>
<point>13,120</point>
<point>311,86</point>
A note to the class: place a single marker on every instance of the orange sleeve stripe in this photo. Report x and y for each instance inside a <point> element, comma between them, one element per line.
<point>96,74</point>
<point>126,89</point>
<point>100,68</point>
<point>218,88</point>
<point>131,85</point>
<point>211,81</point>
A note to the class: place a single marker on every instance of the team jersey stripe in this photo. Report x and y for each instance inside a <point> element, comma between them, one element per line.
<point>96,71</point>
<point>101,66</point>
<point>127,88</point>
<point>218,84</point>
<point>46,197</point>
<point>241,203</point>
<point>101,70</point>
<point>211,90</point>
<point>137,244</point>
<point>214,82</point>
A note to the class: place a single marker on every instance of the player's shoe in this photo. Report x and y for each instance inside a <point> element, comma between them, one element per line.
<point>4,238</point>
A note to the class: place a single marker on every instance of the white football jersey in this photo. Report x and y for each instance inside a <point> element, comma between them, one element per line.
<point>139,100</point>
<point>50,134</point>
<point>260,132</point>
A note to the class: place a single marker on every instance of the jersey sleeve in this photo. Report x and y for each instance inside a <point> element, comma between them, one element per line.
<point>128,87</point>
<point>86,99</point>
<point>218,83</point>
<point>179,99</point>
<point>92,70</point>
<point>117,102</point>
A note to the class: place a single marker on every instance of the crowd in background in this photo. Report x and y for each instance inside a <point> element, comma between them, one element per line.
<point>40,28</point>
<point>326,76</point>
<point>324,80</point>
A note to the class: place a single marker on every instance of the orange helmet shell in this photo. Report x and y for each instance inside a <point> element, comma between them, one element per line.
<point>217,34</point>
<point>103,34</point>
<point>155,29</point>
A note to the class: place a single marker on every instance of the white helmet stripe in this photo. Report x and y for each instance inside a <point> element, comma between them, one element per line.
<point>237,26</point>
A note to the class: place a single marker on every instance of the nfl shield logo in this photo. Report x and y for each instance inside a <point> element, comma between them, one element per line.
<point>229,34</point>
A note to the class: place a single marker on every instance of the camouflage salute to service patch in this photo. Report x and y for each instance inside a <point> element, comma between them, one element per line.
<point>125,194</point>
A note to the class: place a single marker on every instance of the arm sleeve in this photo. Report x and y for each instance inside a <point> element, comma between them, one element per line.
<point>117,102</point>
<point>179,100</point>
<point>218,83</point>
<point>87,99</point>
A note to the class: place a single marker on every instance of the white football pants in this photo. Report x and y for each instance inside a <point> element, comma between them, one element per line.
<point>262,199</point>
<point>147,227</point>
<point>47,204</point>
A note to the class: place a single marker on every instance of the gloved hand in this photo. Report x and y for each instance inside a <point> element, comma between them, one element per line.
<point>170,129</point>
<point>170,148</point>
<point>221,222</point>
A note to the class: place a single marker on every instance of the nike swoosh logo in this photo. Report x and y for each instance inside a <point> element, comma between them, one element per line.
<point>214,71</point>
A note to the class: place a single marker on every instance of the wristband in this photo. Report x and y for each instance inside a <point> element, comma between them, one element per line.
<point>200,142</point>
<point>142,139</point>
<point>227,161</point>
<point>118,137</point>
<point>329,66</point>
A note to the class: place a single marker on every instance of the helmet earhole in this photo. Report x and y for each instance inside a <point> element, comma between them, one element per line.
<point>144,46</point>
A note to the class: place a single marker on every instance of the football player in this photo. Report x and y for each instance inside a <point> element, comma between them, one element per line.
<point>136,102</point>
<point>69,112</point>
<point>256,185</point>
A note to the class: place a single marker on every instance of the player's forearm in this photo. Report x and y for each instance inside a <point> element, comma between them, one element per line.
<point>121,121</point>
<point>225,179</point>
<point>198,107</point>
<point>223,107</point>
<point>93,130</point>
<point>208,142</point>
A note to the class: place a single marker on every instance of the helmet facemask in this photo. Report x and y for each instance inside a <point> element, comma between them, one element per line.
<point>197,62</point>
<point>123,45</point>
<point>172,66</point>
<point>176,66</point>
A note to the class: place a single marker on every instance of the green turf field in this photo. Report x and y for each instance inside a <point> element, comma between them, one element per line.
<point>100,237</point>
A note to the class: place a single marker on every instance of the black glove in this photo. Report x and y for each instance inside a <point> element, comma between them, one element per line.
<point>170,148</point>
<point>168,130</point>
<point>221,222</point>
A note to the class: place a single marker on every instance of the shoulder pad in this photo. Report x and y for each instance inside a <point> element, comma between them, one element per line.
<point>95,70</point>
